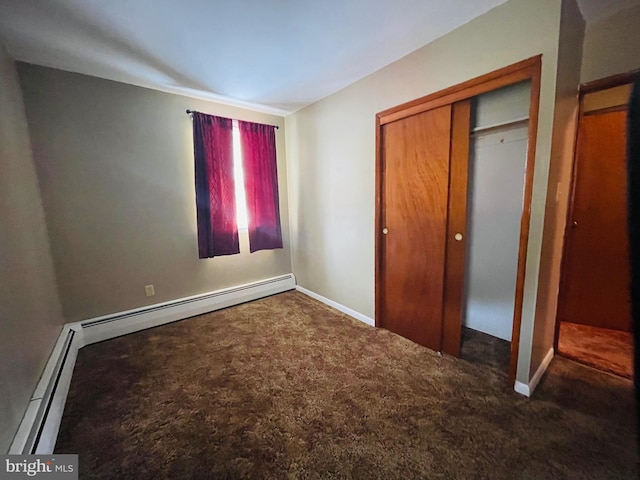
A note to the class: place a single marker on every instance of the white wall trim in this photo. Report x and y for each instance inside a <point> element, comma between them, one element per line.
<point>527,390</point>
<point>533,383</point>
<point>522,388</point>
<point>337,306</point>
<point>38,430</point>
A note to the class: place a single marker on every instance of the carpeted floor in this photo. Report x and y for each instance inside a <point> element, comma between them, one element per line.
<point>486,350</point>
<point>601,348</point>
<point>286,387</point>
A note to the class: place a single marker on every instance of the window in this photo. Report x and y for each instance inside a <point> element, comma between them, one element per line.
<point>236,185</point>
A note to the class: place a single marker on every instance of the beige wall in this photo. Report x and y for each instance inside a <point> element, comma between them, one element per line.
<point>564,126</point>
<point>612,45</point>
<point>331,151</point>
<point>30,314</point>
<point>115,164</point>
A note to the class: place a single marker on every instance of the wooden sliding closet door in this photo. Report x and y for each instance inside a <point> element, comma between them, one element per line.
<point>422,159</point>
<point>416,168</point>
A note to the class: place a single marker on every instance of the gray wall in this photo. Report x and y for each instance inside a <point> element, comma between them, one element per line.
<point>557,198</point>
<point>496,187</point>
<point>30,314</point>
<point>612,45</point>
<point>502,106</point>
<point>115,164</point>
<point>331,152</point>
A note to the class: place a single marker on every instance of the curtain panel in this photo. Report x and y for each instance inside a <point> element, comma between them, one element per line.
<point>258,143</point>
<point>215,189</point>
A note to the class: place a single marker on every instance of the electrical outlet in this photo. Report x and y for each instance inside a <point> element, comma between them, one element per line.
<point>149,290</point>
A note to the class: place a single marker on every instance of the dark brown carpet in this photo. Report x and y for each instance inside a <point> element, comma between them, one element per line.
<point>486,350</point>
<point>286,387</point>
<point>601,348</point>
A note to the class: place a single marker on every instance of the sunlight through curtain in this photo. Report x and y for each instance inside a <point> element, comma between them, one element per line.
<point>215,190</point>
<point>258,144</point>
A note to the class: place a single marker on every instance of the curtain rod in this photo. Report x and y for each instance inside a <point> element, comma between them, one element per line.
<point>189,112</point>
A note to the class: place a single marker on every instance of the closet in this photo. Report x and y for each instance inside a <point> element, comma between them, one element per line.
<point>422,205</point>
<point>497,161</point>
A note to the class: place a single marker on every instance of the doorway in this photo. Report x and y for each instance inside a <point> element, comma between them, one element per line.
<point>594,306</point>
<point>422,191</point>
<point>497,165</point>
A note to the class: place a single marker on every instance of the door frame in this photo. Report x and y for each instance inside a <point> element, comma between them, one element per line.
<point>583,89</point>
<point>529,69</point>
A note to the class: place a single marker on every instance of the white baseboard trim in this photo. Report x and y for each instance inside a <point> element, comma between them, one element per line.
<point>533,383</point>
<point>527,390</point>
<point>337,306</point>
<point>38,430</point>
<point>522,388</point>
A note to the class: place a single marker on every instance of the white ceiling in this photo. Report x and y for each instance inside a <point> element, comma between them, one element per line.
<point>272,55</point>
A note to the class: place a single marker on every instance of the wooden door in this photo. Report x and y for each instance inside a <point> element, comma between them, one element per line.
<point>419,268</point>
<point>595,285</point>
<point>416,159</point>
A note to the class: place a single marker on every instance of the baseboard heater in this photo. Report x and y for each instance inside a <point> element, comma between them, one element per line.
<point>39,427</point>
<point>41,421</point>
<point>53,388</point>
<point>110,326</point>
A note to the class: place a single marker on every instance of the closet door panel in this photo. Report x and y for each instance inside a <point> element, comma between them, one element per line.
<point>456,229</point>
<point>416,163</point>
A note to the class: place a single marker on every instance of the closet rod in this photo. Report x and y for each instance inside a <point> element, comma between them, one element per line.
<point>496,126</point>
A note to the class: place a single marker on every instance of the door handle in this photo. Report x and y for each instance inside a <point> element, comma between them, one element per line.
<point>574,224</point>
<point>385,231</point>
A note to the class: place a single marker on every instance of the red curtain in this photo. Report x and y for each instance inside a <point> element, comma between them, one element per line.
<point>215,190</point>
<point>258,143</point>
